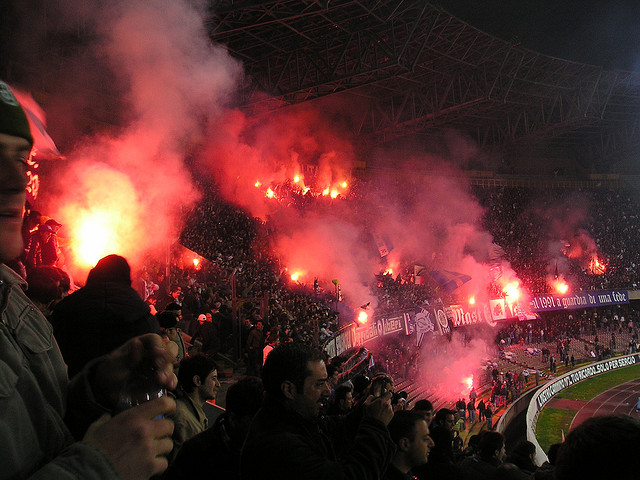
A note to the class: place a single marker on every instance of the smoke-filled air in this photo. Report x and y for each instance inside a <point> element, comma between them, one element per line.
<point>128,188</point>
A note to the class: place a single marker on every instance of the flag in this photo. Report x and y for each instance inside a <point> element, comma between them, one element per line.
<point>384,245</point>
<point>524,312</point>
<point>449,281</point>
<point>418,274</point>
<point>44,145</point>
<point>496,256</point>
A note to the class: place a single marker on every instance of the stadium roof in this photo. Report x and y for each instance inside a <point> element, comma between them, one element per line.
<point>419,70</point>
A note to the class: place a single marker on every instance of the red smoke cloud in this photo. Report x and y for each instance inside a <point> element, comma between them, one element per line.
<point>125,191</point>
<point>176,101</point>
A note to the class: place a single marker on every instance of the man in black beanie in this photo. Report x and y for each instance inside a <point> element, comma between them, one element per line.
<point>35,393</point>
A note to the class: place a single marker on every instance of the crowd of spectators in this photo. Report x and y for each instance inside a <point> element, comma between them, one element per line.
<point>237,259</point>
<point>564,231</point>
<point>272,310</point>
<point>237,248</point>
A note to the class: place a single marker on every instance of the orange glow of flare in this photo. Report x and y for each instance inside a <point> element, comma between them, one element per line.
<point>196,262</point>
<point>344,184</point>
<point>91,238</point>
<point>512,291</point>
<point>596,267</point>
<point>468,382</point>
<point>296,179</point>
<point>270,193</point>
<point>334,193</point>
<point>258,184</point>
<point>305,190</point>
<point>562,287</point>
<point>472,300</point>
<point>363,317</point>
<point>325,192</point>
<point>295,276</point>
<point>388,271</point>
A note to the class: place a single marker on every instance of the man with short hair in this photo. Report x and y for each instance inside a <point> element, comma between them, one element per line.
<point>445,418</point>
<point>425,408</point>
<point>287,439</point>
<point>217,449</point>
<point>342,400</point>
<point>198,380</point>
<point>410,433</point>
<point>174,296</point>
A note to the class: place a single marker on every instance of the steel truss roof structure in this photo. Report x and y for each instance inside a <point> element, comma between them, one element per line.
<point>419,69</point>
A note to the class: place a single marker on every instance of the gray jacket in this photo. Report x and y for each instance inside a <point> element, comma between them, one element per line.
<point>34,440</point>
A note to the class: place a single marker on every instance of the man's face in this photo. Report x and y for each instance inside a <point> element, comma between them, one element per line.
<point>259,325</point>
<point>307,403</point>
<point>176,293</point>
<point>333,381</point>
<point>420,446</point>
<point>14,152</point>
<point>347,403</point>
<point>427,414</point>
<point>449,421</point>
<point>172,333</point>
<point>210,385</point>
<point>209,317</point>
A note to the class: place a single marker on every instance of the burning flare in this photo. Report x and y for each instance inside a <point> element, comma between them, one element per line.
<point>92,238</point>
<point>561,287</point>
<point>596,267</point>
<point>512,291</point>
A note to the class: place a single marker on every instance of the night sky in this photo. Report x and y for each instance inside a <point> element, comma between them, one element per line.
<point>598,32</point>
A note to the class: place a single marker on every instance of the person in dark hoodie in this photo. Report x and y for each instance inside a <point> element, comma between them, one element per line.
<point>102,315</point>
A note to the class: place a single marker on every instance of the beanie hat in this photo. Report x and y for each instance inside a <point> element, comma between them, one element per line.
<point>167,319</point>
<point>112,268</point>
<point>13,120</point>
<point>173,307</point>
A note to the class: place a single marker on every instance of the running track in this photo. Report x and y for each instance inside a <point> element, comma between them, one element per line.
<point>621,399</point>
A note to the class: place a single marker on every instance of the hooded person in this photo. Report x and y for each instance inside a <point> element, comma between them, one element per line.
<point>102,315</point>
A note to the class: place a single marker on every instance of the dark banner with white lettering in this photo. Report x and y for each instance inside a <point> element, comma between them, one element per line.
<point>555,387</point>
<point>549,303</point>
<point>439,319</point>
<point>428,322</point>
